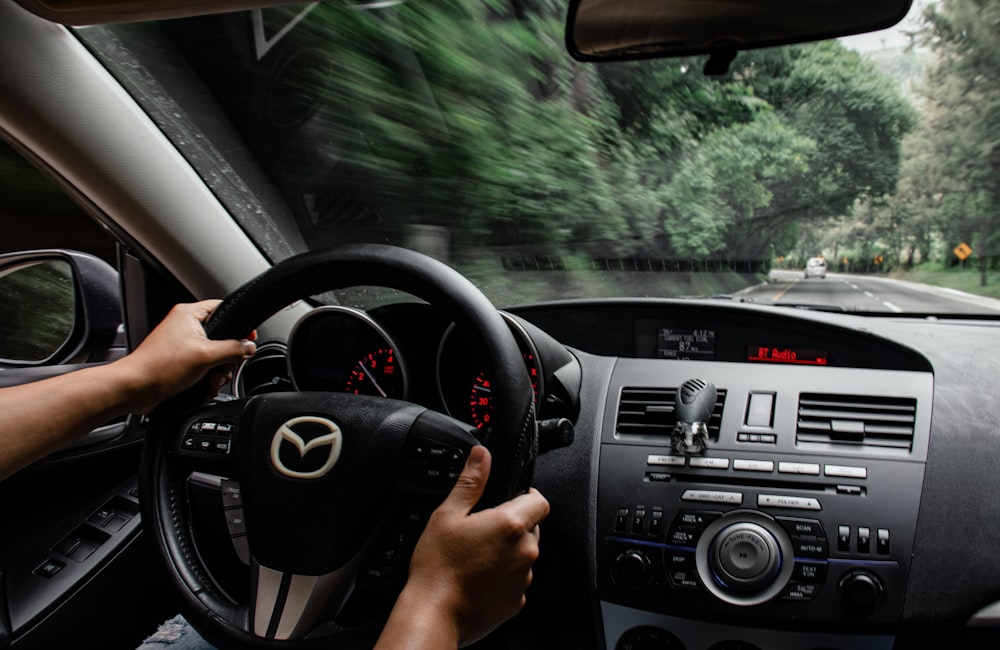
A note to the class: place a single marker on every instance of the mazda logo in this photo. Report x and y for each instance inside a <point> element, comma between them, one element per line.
<point>286,433</point>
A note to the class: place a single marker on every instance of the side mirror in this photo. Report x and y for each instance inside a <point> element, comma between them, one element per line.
<point>59,306</point>
<point>602,30</point>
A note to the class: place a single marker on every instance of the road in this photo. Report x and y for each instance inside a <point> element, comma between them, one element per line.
<point>867,293</point>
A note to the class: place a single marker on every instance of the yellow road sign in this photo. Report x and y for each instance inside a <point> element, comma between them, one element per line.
<point>962,251</point>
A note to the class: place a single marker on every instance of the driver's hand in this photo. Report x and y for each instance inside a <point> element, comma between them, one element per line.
<point>177,354</point>
<point>470,569</point>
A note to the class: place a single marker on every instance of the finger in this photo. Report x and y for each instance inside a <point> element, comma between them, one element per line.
<point>531,505</point>
<point>468,489</point>
<point>202,310</point>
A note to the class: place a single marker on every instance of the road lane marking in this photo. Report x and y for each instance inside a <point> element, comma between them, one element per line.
<point>892,307</point>
<point>781,294</point>
<point>869,294</point>
<point>855,287</point>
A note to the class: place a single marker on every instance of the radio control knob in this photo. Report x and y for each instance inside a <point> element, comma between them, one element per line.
<point>860,591</point>
<point>746,557</point>
<point>632,569</point>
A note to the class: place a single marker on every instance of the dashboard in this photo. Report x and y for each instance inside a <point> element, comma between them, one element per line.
<point>824,512</point>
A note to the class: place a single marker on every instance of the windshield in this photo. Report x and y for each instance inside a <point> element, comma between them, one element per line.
<point>463,129</point>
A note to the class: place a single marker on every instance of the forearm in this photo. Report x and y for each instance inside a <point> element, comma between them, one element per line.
<point>418,623</point>
<point>43,416</point>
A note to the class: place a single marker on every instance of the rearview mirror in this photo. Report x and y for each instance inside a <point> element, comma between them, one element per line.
<point>600,30</point>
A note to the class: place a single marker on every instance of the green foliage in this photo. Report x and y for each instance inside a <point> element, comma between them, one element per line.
<point>471,116</point>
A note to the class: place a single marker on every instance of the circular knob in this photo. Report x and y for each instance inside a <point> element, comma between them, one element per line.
<point>648,637</point>
<point>631,569</point>
<point>746,556</point>
<point>860,591</point>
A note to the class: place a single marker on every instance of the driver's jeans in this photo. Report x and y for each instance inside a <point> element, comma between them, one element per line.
<point>176,634</point>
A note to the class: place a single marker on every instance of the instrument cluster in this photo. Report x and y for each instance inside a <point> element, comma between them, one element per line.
<point>413,353</point>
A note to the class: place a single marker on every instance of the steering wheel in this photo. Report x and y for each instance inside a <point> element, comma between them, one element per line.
<point>318,475</point>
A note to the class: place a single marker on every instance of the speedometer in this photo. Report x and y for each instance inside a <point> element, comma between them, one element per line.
<point>465,385</point>
<point>481,398</point>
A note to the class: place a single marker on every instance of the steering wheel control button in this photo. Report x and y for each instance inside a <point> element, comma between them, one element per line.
<point>787,502</point>
<point>235,522</point>
<point>743,465</point>
<point>231,494</point>
<point>713,496</point>
<point>710,463</point>
<point>811,469</point>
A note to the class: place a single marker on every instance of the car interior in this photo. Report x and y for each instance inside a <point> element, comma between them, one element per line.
<point>722,474</point>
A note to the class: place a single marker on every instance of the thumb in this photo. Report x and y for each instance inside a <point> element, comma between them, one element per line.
<point>471,482</point>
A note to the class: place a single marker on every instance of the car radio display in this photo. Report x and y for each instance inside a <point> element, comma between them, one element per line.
<point>775,354</point>
<point>697,344</point>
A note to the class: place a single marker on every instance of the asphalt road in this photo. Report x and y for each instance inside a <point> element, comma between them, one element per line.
<point>867,293</point>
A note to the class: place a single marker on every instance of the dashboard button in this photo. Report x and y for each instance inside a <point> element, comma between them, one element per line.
<point>811,572</point>
<point>845,471</point>
<point>621,520</point>
<point>810,548</point>
<point>792,503</point>
<point>671,461</point>
<point>656,523</point>
<point>882,541</point>
<point>753,465</point>
<point>864,540</point>
<point>696,518</point>
<point>800,591</point>
<point>844,538</point>
<point>802,527</point>
<point>710,463</point>
<point>760,410</point>
<point>713,496</point>
<point>639,520</point>
<point>799,468</point>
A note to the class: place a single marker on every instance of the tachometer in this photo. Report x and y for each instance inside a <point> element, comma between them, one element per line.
<point>376,374</point>
<point>344,349</point>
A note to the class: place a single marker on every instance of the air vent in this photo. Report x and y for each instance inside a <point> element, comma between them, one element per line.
<point>650,411</point>
<point>860,421</point>
<point>264,372</point>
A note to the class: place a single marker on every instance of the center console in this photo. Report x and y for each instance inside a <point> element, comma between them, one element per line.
<point>794,528</point>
